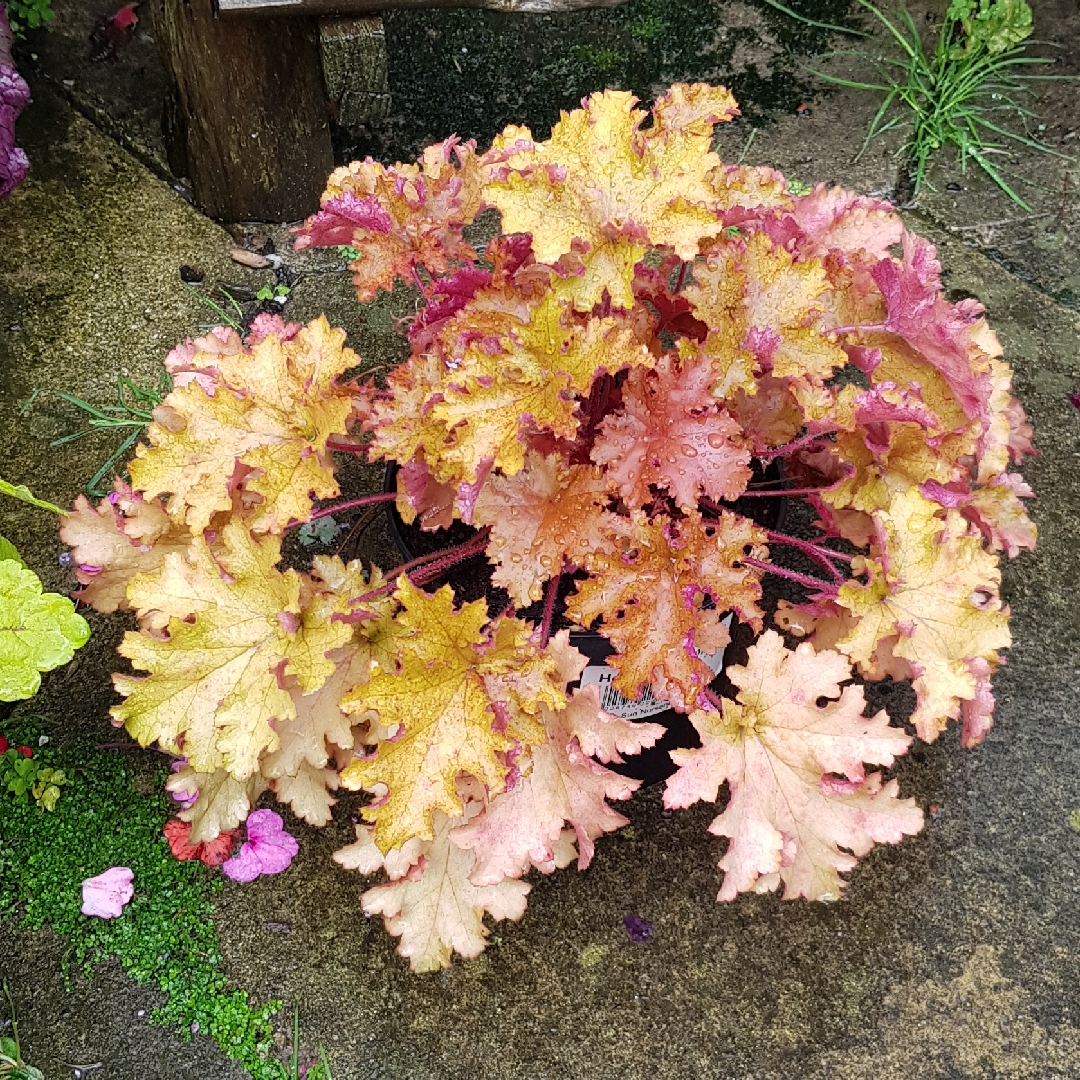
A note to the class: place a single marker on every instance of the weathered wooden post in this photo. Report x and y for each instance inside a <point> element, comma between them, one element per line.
<point>252,117</point>
<point>251,109</point>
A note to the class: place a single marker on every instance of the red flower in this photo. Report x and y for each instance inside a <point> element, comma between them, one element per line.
<point>212,852</point>
<point>26,751</point>
<point>3,745</point>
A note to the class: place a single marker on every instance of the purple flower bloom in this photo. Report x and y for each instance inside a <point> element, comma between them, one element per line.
<point>267,850</point>
<point>104,896</point>
<point>638,930</point>
<point>14,94</point>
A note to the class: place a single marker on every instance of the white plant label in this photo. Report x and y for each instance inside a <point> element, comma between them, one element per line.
<point>645,706</point>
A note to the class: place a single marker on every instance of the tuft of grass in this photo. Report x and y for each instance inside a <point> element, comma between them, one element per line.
<point>132,413</point>
<point>964,93</point>
<point>166,935</point>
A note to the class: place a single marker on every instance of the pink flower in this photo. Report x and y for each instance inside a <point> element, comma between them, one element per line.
<point>104,896</point>
<point>267,850</point>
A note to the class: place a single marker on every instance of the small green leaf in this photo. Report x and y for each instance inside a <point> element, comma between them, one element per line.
<point>9,551</point>
<point>39,631</point>
<point>320,531</point>
<point>24,494</point>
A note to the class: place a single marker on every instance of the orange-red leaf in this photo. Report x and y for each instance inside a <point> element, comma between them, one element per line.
<point>671,434</point>
<point>651,596</point>
<point>546,516</point>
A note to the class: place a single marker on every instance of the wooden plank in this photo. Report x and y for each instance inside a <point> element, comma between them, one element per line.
<point>251,109</point>
<point>354,67</point>
<point>362,7</point>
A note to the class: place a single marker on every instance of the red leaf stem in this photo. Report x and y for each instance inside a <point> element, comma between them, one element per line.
<point>437,562</point>
<point>819,554</point>
<point>549,608</point>
<point>682,277</point>
<point>824,588</point>
<point>351,504</point>
<point>797,444</point>
<point>773,492</point>
<point>345,448</point>
<point>420,283</point>
<point>358,527</point>
<point>712,699</point>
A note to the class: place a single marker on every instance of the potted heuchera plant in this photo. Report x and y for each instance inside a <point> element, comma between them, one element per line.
<point>590,394</point>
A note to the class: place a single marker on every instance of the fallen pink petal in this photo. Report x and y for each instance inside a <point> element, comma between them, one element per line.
<point>267,850</point>
<point>104,896</point>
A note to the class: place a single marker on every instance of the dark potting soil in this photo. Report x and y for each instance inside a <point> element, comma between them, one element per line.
<point>471,580</point>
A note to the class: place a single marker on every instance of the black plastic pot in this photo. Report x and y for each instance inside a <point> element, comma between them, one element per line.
<point>471,580</point>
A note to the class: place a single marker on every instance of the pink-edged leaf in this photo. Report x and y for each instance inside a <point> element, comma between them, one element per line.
<point>801,806</point>
<point>652,595</point>
<point>996,510</point>
<point>521,828</point>
<point>834,219</point>
<point>941,331</point>
<point>1007,435</point>
<point>449,294</point>
<point>435,908</point>
<point>978,713</point>
<point>603,735</point>
<point>123,536</point>
<point>265,323</point>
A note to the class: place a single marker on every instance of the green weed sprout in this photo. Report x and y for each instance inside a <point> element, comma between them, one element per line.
<point>132,413</point>
<point>279,293</point>
<point>12,1066</point>
<point>26,15</point>
<point>960,94</point>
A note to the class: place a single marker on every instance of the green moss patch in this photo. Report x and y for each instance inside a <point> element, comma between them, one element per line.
<point>166,935</point>
<point>472,72</point>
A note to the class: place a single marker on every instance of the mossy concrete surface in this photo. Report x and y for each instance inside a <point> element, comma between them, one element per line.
<point>954,955</point>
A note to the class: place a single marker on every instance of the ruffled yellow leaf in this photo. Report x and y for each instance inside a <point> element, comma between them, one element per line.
<point>763,310</point>
<point>609,190</point>
<point>461,697</point>
<point>272,410</point>
<point>552,342</point>
<point>213,685</point>
<point>932,597</point>
<point>490,416</point>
